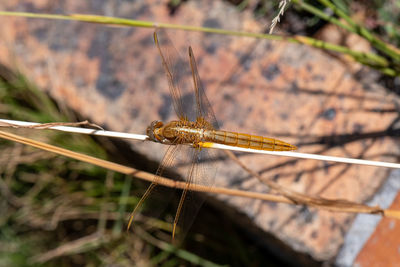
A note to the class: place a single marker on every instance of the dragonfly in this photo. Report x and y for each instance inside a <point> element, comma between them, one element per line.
<point>195,129</point>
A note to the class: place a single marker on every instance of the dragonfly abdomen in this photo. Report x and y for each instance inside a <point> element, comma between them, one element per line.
<point>247,141</point>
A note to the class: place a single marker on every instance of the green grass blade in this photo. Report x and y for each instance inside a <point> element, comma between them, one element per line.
<point>369,59</point>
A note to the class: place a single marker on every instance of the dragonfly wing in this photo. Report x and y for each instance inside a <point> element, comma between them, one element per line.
<point>202,172</point>
<point>203,106</point>
<point>168,161</point>
<point>178,76</point>
<point>189,103</point>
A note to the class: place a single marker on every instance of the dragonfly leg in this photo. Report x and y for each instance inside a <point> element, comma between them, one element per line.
<point>139,204</point>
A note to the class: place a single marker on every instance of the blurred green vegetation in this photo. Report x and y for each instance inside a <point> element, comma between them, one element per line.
<point>387,20</point>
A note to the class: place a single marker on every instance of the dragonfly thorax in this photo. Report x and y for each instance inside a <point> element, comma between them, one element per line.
<point>177,132</point>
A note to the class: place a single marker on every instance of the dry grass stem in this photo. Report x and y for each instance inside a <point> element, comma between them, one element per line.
<point>66,127</point>
<point>290,197</point>
<point>76,246</point>
<point>50,125</point>
<point>302,199</point>
<point>141,137</point>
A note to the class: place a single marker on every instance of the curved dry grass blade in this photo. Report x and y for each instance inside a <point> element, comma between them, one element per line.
<point>302,199</point>
<point>332,205</point>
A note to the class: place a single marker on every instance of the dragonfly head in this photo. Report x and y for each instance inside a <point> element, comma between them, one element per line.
<point>153,131</point>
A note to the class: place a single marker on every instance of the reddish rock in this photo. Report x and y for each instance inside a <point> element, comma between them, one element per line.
<point>383,247</point>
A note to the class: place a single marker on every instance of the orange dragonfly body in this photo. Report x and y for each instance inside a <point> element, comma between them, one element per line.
<point>201,131</point>
<point>196,125</point>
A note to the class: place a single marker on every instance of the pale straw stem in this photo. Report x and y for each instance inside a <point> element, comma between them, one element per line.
<point>69,129</point>
<point>217,146</point>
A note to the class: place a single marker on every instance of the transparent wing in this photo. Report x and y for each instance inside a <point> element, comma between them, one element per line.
<point>186,104</point>
<point>203,106</point>
<point>168,161</point>
<point>178,75</point>
<point>203,172</point>
<point>190,103</point>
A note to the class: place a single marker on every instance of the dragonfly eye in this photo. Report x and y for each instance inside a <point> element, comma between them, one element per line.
<point>152,128</point>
